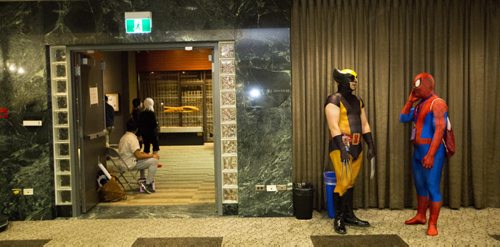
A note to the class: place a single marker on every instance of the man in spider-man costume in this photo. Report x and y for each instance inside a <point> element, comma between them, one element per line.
<point>429,116</point>
<point>347,122</point>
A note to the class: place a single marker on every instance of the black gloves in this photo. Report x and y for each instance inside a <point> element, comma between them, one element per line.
<point>344,155</point>
<point>371,146</point>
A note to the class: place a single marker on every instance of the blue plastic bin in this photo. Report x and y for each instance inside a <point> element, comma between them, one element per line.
<point>330,181</point>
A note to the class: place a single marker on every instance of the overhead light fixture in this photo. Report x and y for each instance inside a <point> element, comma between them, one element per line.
<point>188,48</point>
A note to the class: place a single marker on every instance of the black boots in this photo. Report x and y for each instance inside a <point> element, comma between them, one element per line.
<point>344,214</point>
<point>338,222</point>
<point>349,217</point>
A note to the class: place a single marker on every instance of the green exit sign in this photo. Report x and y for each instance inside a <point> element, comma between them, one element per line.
<point>138,22</point>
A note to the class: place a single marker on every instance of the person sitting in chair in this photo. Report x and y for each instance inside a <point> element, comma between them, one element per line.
<point>135,159</point>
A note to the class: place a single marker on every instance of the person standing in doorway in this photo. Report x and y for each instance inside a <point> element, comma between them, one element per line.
<point>347,122</point>
<point>135,115</point>
<point>148,127</point>
<point>110,120</point>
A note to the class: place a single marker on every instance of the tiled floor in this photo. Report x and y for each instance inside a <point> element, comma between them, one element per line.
<point>464,227</point>
<point>186,177</point>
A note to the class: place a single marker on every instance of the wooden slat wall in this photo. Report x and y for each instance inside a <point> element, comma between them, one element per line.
<point>173,60</point>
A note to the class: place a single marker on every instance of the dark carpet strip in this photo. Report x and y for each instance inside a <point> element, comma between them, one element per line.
<point>24,243</point>
<point>359,240</point>
<point>178,242</point>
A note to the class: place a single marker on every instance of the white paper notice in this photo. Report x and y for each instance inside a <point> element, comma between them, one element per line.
<point>93,96</point>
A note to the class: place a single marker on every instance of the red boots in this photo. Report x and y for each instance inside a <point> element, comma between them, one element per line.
<point>420,218</point>
<point>434,208</point>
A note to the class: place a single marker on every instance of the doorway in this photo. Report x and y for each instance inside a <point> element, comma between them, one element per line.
<point>187,177</point>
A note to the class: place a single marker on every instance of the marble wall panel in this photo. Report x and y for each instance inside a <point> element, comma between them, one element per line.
<point>28,26</point>
<point>25,151</point>
<point>264,120</point>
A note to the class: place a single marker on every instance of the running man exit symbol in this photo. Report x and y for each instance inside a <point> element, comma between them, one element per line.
<point>138,22</point>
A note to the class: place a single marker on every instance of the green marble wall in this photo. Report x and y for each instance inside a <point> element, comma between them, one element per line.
<point>28,28</point>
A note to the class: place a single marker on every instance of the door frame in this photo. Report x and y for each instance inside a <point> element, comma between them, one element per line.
<point>216,88</point>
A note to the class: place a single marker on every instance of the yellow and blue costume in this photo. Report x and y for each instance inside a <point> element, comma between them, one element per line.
<point>347,123</point>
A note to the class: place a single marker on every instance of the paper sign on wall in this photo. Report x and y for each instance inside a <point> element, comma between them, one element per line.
<point>93,96</point>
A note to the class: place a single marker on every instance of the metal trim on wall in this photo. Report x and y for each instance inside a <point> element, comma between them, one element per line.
<point>216,107</point>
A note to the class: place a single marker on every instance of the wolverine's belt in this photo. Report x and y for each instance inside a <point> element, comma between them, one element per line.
<point>351,139</point>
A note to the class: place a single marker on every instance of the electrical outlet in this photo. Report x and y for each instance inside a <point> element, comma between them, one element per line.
<point>271,188</point>
<point>260,187</point>
<point>28,191</point>
<point>281,187</point>
<point>17,192</point>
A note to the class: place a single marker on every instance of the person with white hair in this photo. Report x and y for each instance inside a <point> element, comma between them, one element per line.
<point>148,127</point>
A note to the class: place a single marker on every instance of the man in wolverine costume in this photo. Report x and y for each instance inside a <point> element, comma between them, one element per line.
<point>346,117</point>
<point>429,117</point>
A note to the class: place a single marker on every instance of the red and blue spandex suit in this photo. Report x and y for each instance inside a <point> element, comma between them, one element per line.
<point>429,116</point>
<point>427,181</point>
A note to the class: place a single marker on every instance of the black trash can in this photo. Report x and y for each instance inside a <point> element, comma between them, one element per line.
<point>303,201</point>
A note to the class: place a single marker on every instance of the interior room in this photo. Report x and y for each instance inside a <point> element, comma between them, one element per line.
<point>179,80</point>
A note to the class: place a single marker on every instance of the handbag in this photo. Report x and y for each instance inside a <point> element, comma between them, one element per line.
<point>112,190</point>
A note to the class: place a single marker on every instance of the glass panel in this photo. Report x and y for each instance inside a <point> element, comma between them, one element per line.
<point>60,55</point>
<point>228,114</point>
<point>65,196</point>
<point>227,50</point>
<point>230,178</point>
<point>228,98</point>
<point>62,134</point>
<point>228,82</point>
<point>64,165</point>
<point>229,146</point>
<point>62,118</point>
<point>63,149</point>
<point>227,66</point>
<point>64,181</point>
<point>61,86</point>
<point>231,194</point>
<point>62,102</point>
<point>60,70</point>
<point>229,131</point>
<point>230,162</point>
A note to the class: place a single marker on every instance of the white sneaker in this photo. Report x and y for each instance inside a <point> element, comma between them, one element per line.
<point>144,187</point>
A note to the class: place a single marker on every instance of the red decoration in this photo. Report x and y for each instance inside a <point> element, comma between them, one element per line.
<point>4,112</point>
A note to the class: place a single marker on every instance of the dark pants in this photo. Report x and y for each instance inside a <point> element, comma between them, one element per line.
<point>150,140</point>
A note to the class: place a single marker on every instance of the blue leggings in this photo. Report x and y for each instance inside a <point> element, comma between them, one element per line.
<point>427,181</point>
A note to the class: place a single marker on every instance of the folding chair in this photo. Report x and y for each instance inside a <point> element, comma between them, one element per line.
<point>120,166</point>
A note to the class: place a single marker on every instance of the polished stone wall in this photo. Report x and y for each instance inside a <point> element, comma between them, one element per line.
<point>24,151</point>
<point>263,94</point>
<point>259,29</point>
